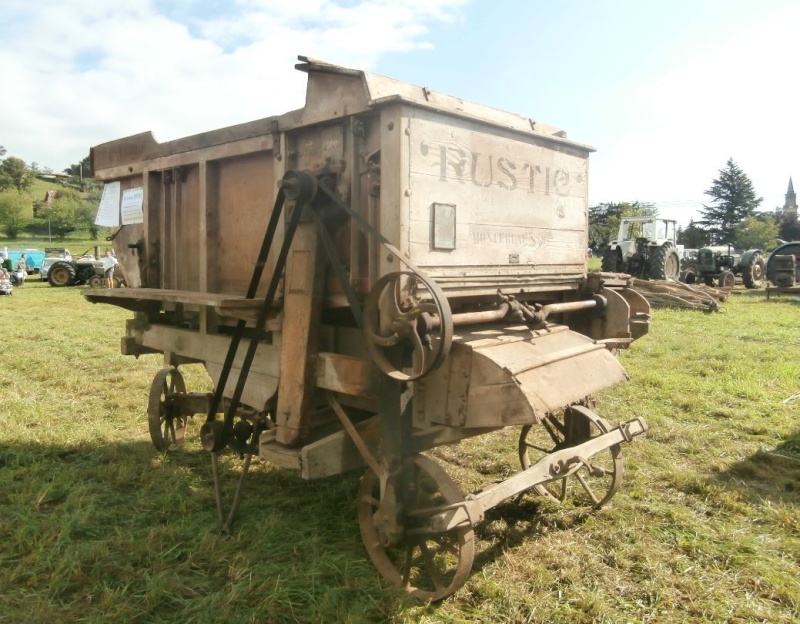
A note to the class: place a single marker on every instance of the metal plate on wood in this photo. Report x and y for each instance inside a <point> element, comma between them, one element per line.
<point>444,226</point>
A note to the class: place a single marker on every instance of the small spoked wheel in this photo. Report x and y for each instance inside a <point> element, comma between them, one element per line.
<point>594,482</point>
<point>407,334</point>
<point>167,422</point>
<point>428,566</point>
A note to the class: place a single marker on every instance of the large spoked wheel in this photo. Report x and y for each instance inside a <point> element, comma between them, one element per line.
<point>408,333</point>
<point>167,422</point>
<point>427,566</point>
<point>596,481</point>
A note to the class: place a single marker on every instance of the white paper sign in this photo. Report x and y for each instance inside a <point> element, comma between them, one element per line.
<point>108,212</point>
<point>132,205</point>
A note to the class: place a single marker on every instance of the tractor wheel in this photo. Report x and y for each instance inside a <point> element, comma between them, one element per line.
<point>727,280</point>
<point>610,262</point>
<point>753,271</point>
<point>95,281</point>
<point>84,274</point>
<point>689,274</point>
<point>664,263</point>
<point>61,274</point>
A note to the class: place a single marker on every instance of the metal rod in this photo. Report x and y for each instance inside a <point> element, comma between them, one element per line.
<point>471,318</point>
<point>217,493</point>
<point>354,435</point>
<point>486,316</point>
<point>237,499</point>
<point>571,306</point>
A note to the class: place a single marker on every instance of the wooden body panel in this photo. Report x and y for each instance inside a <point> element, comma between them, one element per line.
<point>516,202</point>
<point>499,376</point>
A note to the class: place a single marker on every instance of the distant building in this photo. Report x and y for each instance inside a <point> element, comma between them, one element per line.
<point>790,207</point>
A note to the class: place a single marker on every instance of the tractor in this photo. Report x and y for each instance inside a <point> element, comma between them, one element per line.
<point>645,247</point>
<point>720,265</point>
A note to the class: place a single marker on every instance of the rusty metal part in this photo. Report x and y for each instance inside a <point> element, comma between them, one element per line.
<point>557,465</point>
<point>484,316</point>
<point>597,478</point>
<point>348,426</point>
<point>428,566</point>
<point>224,524</point>
<point>397,323</point>
<point>165,417</point>
<point>540,314</point>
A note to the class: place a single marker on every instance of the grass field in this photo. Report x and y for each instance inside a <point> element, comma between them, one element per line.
<point>96,526</point>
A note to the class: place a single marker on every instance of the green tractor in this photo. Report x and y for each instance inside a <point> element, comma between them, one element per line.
<point>720,265</point>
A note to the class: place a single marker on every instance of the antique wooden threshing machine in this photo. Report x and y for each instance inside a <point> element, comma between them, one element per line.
<point>379,273</point>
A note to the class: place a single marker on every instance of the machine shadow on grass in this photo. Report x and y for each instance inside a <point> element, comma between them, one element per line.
<point>288,530</point>
<point>772,474</point>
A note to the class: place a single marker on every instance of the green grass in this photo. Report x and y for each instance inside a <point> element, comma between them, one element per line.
<point>96,526</point>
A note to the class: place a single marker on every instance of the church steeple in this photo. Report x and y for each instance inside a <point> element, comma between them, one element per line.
<point>791,199</point>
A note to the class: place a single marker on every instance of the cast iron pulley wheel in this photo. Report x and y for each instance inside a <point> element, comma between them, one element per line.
<point>597,480</point>
<point>167,422</point>
<point>428,566</point>
<point>610,262</point>
<point>95,281</point>
<point>753,271</point>
<point>61,274</point>
<point>408,336</point>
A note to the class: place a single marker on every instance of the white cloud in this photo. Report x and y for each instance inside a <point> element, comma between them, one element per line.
<point>739,100</point>
<point>89,71</point>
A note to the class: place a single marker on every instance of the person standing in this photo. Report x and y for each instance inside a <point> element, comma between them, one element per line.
<point>22,270</point>
<point>109,263</point>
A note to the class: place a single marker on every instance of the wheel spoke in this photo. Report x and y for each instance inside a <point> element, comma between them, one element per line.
<point>420,354</point>
<point>587,488</point>
<point>430,566</point>
<point>541,449</point>
<point>408,565</point>
<point>383,341</point>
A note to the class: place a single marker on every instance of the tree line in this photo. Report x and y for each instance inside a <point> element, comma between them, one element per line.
<point>72,207</point>
<point>731,216</point>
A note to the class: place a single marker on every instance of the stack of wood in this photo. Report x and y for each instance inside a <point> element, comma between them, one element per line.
<point>671,294</point>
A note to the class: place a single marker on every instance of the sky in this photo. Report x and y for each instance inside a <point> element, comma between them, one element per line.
<point>666,91</point>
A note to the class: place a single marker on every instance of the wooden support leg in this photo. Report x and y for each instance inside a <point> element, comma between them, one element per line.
<point>299,340</point>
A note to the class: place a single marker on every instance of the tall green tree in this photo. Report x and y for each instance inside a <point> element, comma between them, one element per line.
<point>733,198</point>
<point>756,232</point>
<point>604,220</point>
<point>2,151</point>
<point>14,173</point>
<point>788,225</point>
<point>692,236</point>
